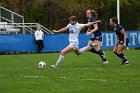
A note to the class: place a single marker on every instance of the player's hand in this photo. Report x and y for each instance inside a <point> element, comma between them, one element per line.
<point>99,21</point>
<point>55,31</point>
<point>88,33</point>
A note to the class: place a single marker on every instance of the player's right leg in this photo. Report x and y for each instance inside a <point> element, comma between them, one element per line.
<point>115,49</point>
<point>38,46</point>
<point>61,57</point>
<point>42,45</point>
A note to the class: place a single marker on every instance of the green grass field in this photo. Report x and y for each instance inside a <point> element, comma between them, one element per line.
<point>77,74</point>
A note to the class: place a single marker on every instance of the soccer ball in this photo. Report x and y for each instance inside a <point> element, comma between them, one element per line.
<point>41,64</point>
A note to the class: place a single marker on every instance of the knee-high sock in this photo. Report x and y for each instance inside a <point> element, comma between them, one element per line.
<point>100,52</point>
<point>102,55</point>
<point>84,49</point>
<point>59,60</point>
<point>116,54</point>
<point>123,57</point>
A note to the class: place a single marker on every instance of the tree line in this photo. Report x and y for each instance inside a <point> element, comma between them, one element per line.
<point>53,14</point>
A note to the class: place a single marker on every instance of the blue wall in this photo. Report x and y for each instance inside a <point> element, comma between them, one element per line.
<point>109,39</point>
<point>17,43</point>
<point>26,43</point>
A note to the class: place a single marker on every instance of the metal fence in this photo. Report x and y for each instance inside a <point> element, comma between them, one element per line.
<point>11,22</point>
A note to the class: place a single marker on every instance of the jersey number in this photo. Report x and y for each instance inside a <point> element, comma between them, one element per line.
<point>71,31</point>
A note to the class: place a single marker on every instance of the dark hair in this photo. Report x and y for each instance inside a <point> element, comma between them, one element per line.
<point>115,20</point>
<point>94,14</point>
<point>73,18</point>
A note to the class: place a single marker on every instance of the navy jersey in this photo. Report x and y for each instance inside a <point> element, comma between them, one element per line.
<point>96,33</point>
<point>118,29</point>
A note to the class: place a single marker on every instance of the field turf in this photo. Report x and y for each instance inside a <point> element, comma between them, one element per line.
<point>77,74</point>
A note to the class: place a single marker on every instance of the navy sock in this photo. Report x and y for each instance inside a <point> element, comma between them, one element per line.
<point>123,57</point>
<point>116,54</point>
<point>102,55</point>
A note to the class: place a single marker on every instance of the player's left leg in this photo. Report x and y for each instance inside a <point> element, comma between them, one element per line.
<point>98,51</point>
<point>121,55</point>
<point>42,45</point>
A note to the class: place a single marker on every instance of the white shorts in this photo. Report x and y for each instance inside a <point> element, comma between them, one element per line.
<point>74,45</point>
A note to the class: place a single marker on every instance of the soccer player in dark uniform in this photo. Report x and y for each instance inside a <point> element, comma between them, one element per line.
<point>121,40</point>
<point>96,37</point>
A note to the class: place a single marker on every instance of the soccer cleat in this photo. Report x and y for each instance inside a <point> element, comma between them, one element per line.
<point>124,63</point>
<point>54,66</point>
<point>106,62</point>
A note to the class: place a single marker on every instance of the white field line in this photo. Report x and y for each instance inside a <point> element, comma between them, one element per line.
<point>88,79</point>
<point>75,68</point>
<point>68,78</point>
<point>99,69</point>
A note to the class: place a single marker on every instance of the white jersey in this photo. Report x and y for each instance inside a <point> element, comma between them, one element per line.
<point>74,31</point>
<point>39,35</point>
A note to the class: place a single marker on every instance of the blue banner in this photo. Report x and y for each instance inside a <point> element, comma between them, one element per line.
<point>109,39</point>
<point>17,43</point>
<point>56,42</point>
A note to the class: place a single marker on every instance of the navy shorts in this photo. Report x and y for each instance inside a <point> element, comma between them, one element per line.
<point>99,38</point>
<point>122,41</point>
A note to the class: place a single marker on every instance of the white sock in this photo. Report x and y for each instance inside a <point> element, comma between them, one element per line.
<point>59,60</point>
<point>84,49</point>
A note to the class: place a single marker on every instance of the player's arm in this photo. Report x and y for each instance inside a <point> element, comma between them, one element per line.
<point>61,30</point>
<point>91,23</point>
<point>88,32</point>
<point>95,28</point>
<point>124,34</point>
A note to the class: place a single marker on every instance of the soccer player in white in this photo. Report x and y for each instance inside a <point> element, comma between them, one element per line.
<point>74,29</point>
